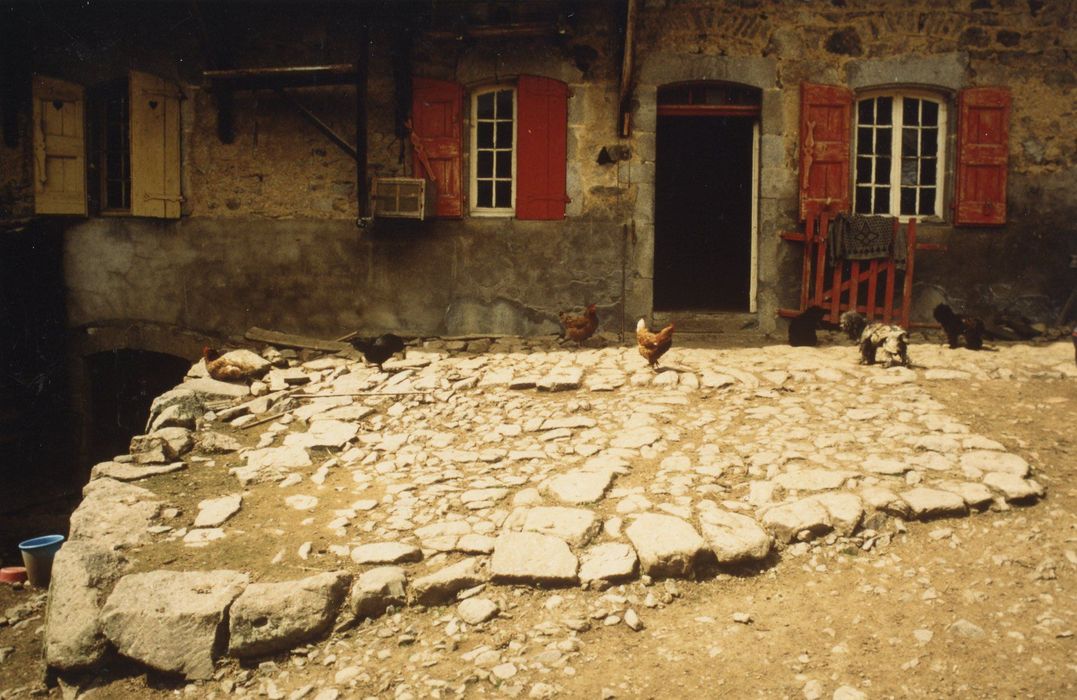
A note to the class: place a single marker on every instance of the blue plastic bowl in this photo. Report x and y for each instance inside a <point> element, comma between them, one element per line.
<point>42,546</point>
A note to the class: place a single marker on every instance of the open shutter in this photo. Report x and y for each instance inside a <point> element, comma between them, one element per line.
<point>436,136</point>
<point>983,134</point>
<point>155,146</point>
<point>59,147</point>
<point>542,114</point>
<point>825,136</point>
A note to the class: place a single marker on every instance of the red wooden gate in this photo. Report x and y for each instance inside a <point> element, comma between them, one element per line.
<point>869,286</point>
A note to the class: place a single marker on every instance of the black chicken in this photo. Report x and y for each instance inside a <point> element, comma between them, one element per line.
<point>802,328</point>
<point>379,349</point>
<point>956,326</point>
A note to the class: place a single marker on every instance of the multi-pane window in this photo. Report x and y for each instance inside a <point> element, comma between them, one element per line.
<point>116,152</point>
<point>493,137</point>
<point>899,155</point>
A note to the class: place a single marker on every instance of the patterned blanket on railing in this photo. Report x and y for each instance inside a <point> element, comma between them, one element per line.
<point>859,237</point>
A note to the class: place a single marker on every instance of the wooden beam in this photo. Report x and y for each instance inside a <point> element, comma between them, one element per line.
<point>288,340</point>
<point>362,200</point>
<point>334,69</point>
<point>319,124</point>
<point>624,127</point>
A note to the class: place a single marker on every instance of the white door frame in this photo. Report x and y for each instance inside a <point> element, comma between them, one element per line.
<point>753,274</point>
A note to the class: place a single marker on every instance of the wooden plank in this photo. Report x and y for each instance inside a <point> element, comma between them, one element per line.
<point>805,278</point>
<point>155,146</point>
<point>888,294</point>
<point>873,281</point>
<point>59,147</point>
<point>835,290</point>
<point>820,258</point>
<point>290,340</point>
<point>910,263</point>
<point>854,284</point>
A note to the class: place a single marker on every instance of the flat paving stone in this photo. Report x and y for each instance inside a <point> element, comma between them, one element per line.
<point>787,520</point>
<point>578,487</point>
<point>667,545</point>
<point>933,503</point>
<point>734,537</point>
<point>609,562</point>
<point>530,557</point>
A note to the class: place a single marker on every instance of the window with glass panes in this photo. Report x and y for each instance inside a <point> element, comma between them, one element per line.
<point>493,161</point>
<point>899,155</point>
<point>115,148</point>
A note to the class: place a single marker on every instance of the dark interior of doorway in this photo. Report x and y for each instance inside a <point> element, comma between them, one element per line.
<point>123,384</point>
<point>703,199</point>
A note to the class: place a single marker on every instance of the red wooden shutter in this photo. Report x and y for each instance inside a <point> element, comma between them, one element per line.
<point>983,134</point>
<point>825,136</point>
<point>542,127</point>
<point>435,117</point>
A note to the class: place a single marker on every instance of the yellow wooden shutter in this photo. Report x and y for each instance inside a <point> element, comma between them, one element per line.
<point>155,147</point>
<point>59,147</point>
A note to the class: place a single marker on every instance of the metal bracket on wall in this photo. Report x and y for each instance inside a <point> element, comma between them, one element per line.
<point>318,124</point>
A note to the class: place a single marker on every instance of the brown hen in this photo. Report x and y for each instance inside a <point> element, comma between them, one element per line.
<point>653,345</point>
<point>229,369</point>
<point>580,328</point>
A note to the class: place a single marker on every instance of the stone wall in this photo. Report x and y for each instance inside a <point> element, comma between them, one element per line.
<point>269,235</point>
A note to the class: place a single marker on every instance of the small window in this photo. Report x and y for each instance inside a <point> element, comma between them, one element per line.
<point>900,143</point>
<point>113,147</point>
<point>493,152</point>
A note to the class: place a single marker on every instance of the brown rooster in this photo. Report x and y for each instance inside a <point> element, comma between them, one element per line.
<point>235,366</point>
<point>580,328</point>
<point>653,345</point>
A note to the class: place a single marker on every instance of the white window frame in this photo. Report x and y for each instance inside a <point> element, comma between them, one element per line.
<point>473,189</point>
<point>941,180</point>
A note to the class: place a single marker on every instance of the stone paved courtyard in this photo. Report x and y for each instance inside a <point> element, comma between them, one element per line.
<point>562,491</point>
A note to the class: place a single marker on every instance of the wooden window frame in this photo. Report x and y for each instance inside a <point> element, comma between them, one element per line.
<point>897,124</point>
<point>473,181</point>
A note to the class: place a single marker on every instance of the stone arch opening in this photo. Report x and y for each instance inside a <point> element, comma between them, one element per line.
<point>121,386</point>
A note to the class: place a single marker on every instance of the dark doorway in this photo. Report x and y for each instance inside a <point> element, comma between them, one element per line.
<point>123,384</point>
<point>703,213</point>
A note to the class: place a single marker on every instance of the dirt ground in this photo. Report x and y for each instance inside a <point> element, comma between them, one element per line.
<point>820,624</point>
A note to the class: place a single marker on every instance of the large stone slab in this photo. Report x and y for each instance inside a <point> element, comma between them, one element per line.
<point>933,503</point>
<point>386,553</point>
<point>375,590</point>
<point>577,486</point>
<point>634,438</point>
<point>577,526</point>
<point>609,562</point>
<point>667,545</point>
<point>734,537</point>
<point>845,511</point>
<point>212,387</point>
<point>1013,487</point>
<point>323,433</point>
<point>788,519</point>
<point>271,617</point>
<point>813,479</point>
<point>561,379</point>
<point>123,471</point>
<point>995,461</point>
<point>113,513</point>
<point>170,620</point>
<point>82,575</point>
<point>214,511</point>
<point>530,557</point>
<point>442,586</point>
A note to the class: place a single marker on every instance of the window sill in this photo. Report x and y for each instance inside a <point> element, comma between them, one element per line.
<point>493,213</point>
